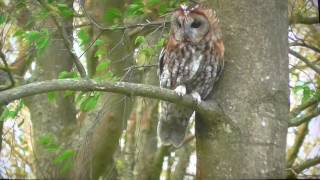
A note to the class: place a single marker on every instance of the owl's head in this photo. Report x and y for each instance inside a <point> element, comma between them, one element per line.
<point>193,24</point>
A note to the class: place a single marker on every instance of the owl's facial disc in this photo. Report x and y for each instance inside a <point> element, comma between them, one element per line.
<point>191,28</point>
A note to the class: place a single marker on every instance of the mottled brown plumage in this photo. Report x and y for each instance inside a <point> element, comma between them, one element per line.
<point>191,63</point>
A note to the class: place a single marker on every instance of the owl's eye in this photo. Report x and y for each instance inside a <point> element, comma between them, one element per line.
<point>196,24</point>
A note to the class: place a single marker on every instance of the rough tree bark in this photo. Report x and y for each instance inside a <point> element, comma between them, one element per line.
<point>251,141</point>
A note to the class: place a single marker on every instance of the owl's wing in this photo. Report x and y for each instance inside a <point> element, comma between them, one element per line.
<point>161,61</point>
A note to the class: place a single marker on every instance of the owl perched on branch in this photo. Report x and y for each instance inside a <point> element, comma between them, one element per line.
<point>191,63</point>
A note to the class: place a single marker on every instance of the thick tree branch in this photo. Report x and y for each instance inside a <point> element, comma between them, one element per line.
<point>305,60</point>
<point>130,89</point>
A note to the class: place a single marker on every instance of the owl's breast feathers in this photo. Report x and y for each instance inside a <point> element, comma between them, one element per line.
<point>197,66</point>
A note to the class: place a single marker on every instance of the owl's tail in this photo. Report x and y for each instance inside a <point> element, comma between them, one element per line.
<point>173,123</point>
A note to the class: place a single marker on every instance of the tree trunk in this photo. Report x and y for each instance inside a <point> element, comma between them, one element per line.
<point>51,121</point>
<point>106,122</point>
<point>253,93</point>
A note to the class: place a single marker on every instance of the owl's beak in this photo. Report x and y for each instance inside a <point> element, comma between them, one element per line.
<point>186,37</point>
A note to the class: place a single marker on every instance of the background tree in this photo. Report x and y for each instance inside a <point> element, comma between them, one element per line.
<point>89,134</point>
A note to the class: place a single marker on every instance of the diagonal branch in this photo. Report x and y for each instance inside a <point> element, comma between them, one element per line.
<point>130,89</point>
<point>292,153</point>
<point>295,111</point>
<point>307,117</point>
<point>305,60</point>
<point>303,44</point>
<point>66,40</point>
<point>304,165</point>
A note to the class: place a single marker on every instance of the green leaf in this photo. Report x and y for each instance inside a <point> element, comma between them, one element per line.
<point>8,113</point>
<point>68,75</point>
<point>151,3</point>
<point>103,66</point>
<point>39,38</point>
<point>5,114</point>
<point>67,166</point>
<point>48,142</point>
<point>307,93</point>
<point>100,52</point>
<point>112,14</point>
<point>64,156</point>
<point>52,96</point>
<point>139,40</point>
<point>148,52</point>
<point>164,8</point>
<point>84,37</point>
<point>2,19</point>
<point>98,42</point>
<point>65,11</point>
<point>68,93</point>
<point>160,43</point>
<point>19,33</point>
<point>43,40</point>
<point>135,9</point>
<point>90,102</point>
<point>32,36</point>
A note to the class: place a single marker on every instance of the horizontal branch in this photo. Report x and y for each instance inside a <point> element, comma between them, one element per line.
<point>304,20</point>
<point>303,44</point>
<point>305,60</point>
<point>129,89</point>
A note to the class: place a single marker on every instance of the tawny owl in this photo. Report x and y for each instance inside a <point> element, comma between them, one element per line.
<point>191,63</point>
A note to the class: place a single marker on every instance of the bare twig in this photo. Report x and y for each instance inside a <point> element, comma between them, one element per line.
<point>7,69</point>
<point>295,111</point>
<point>305,60</point>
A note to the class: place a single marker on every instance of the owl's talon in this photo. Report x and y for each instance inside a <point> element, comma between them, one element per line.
<point>181,90</point>
<point>196,97</point>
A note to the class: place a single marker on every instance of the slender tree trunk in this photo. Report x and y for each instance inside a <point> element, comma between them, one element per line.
<point>253,92</point>
<point>106,122</point>
<point>51,121</point>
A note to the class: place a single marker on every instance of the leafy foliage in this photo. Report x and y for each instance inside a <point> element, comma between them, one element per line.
<point>11,112</point>
<point>39,39</point>
<point>63,157</point>
<point>88,101</point>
